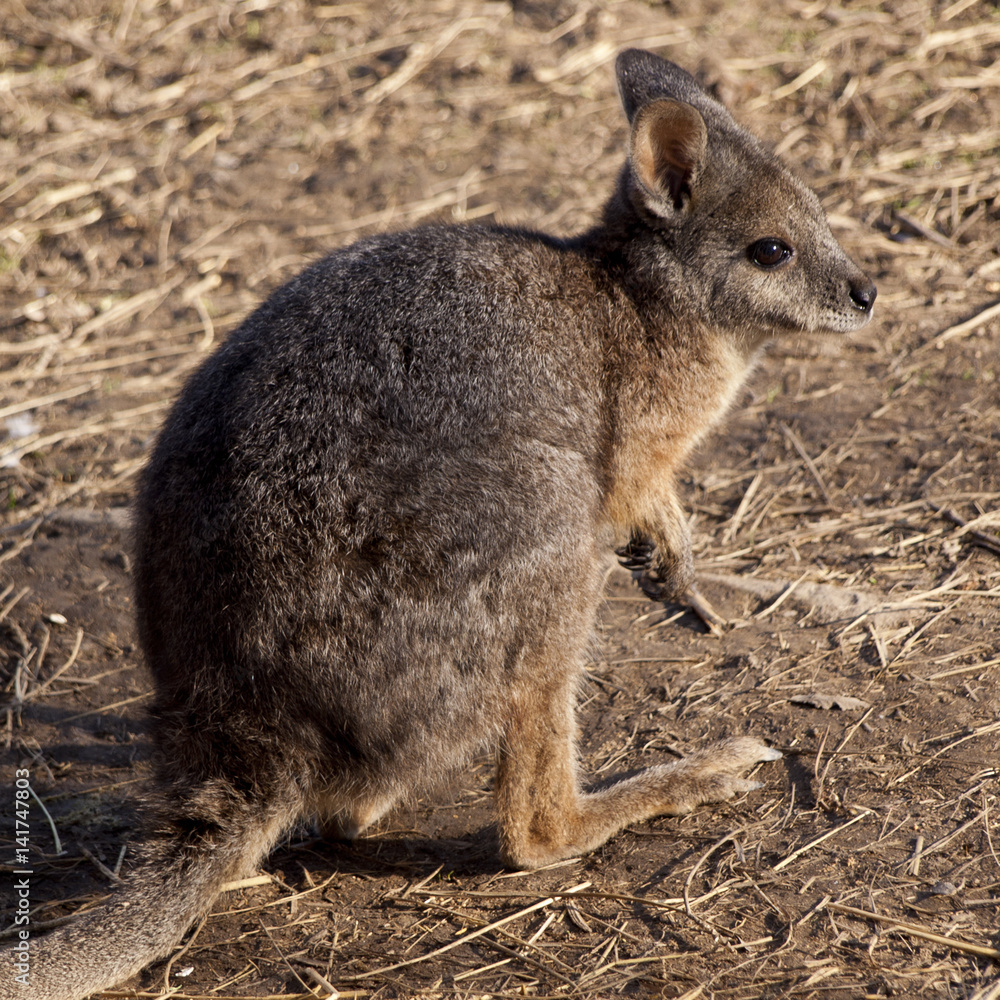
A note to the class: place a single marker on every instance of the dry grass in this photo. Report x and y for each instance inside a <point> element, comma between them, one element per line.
<point>163,165</point>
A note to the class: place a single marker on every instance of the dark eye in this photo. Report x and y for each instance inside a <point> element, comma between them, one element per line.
<point>770,252</point>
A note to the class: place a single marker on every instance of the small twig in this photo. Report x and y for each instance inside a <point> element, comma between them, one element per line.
<point>246,883</point>
<point>964,670</point>
<point>810,465</point>
<point>419,885</point>
<point>281,954</point>
<point>101,866</point>
<point>669,902</point>
<point>515,939</point>
<point>40,688</point>
<point>175,995</point>
<point>420,54</point>
<point>108,708</point>
<point>921,230</point>
<point>472,935</point>
<point>780,93</point>
<point>922,852</point>
<point>280,901</point>
<point>324,982</point>
<point>704,857</point>
<point>780,599</point>
<point>48,816</point>
<point>991,991</point>
<point>784,862</point>
<point>112,517</point>
<point>980,731</point>
<point>178,954</point>
<point>9,606</point>
<point>957,944</point>
<point>821,776</point>
<point>960,329</point>
<point>986,828</point>
<point>979,537</point>
<point>51,397</point>
<point>482,969</point>
<point>857,725</point>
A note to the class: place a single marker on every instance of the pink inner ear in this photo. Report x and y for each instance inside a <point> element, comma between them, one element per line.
<point>668,145</point>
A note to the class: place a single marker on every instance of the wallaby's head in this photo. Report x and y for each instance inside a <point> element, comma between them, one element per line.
<point>758,256</point>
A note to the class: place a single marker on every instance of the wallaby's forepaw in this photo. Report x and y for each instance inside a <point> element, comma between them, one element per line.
<point>659,585</point>
<point>667,576</point>
<point>662,575</point>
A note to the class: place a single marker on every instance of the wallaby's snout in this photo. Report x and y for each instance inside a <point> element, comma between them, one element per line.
<point>846,298</point>
<point>850,304</point>
<point>863,293</point>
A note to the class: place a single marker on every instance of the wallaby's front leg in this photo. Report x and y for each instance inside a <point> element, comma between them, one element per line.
<point>543,813</point>
<point>661,558</point>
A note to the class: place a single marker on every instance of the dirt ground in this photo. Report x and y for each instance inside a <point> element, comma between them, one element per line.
<point>164,165</point>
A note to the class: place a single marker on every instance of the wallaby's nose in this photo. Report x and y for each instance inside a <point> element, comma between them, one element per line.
<point>863,294</point>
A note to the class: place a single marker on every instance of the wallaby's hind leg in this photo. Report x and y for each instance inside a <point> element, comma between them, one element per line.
<point>544,815</point>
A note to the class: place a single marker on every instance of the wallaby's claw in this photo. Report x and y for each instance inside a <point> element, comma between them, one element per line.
<point>637,554</point>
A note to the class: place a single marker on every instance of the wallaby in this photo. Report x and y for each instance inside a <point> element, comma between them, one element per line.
<point>369,539</point>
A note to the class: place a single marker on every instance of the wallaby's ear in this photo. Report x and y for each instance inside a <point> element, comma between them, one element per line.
<point>666,151</point>
<point>644,77</point>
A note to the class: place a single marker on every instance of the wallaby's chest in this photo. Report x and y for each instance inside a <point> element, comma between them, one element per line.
<point>660,420</point>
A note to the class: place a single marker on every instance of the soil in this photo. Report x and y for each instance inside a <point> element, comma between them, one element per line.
<point>164,165</point>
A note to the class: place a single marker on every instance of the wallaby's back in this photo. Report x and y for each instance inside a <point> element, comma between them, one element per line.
<point>368,541</point>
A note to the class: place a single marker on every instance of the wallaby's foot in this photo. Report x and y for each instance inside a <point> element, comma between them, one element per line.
<point>575,822</point>
<point>714,773</point>
<point>544,816</point>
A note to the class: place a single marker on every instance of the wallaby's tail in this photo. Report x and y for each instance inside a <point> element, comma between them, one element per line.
<point>182,869</point>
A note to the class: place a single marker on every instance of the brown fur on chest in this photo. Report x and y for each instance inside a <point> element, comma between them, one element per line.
<point>659,424</point>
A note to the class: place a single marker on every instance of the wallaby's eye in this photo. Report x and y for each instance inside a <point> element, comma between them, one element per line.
<point>770,252</point>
